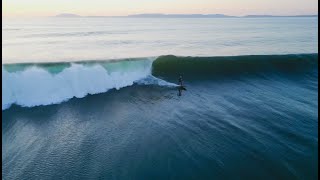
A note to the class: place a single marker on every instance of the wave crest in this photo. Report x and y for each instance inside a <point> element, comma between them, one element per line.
<point>36,86</point>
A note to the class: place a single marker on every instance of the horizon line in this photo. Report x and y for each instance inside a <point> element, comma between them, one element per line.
<point>171,14</point>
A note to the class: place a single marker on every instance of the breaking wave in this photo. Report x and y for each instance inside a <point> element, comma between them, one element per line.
<point>43,84</point>
<point>37,84</point>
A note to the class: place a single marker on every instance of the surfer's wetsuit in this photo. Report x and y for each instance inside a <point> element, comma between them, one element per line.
<point>180,80</point>
<point>180,83</point>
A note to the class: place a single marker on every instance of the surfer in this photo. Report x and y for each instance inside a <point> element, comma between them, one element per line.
<point>180,84</point>
<point>180,80</point>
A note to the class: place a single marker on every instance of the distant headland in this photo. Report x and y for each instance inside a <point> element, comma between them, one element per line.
<point>157,15</point>
<point>67,15</point>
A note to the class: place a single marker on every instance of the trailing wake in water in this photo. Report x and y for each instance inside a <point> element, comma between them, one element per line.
<point>43,84</point>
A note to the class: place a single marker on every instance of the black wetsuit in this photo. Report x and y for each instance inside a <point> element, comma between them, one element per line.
<point>180,81</point>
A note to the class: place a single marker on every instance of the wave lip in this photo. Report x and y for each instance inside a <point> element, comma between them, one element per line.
<point>34,86</point>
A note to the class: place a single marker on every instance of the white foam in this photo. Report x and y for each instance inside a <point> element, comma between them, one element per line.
<point>151,80</point>
<point>36,86</point>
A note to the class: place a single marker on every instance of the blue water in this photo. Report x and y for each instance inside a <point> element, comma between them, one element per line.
<point>74,39</point>
<point>110,108</point>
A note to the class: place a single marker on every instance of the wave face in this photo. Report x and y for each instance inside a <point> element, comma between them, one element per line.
<point>228,66</point>
<point>43,84</point>
<point>35,84</point>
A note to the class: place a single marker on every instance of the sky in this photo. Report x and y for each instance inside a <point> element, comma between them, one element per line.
<point>125,7</point>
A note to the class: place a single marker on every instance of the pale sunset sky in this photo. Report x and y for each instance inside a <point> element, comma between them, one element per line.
<point>125,7</point>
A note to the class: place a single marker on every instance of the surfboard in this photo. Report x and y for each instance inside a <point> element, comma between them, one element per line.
<point>182,88</point>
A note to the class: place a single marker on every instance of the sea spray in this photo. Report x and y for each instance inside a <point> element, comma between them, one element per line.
<point>35,85</point>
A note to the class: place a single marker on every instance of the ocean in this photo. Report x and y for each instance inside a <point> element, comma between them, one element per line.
<point>97,98</point>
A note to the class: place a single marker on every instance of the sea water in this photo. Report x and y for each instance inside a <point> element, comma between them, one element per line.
<point>96,98</point>
<point>75,39</point>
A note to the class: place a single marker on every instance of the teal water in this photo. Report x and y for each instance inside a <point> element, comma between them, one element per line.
<point>242,117</point>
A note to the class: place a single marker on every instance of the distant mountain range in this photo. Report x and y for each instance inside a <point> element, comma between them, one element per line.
<point>182,16</point>
<point>257,16</point>
<point>67,15</point>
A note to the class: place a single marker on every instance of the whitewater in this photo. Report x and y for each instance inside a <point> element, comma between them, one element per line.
<point>35,85</point>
